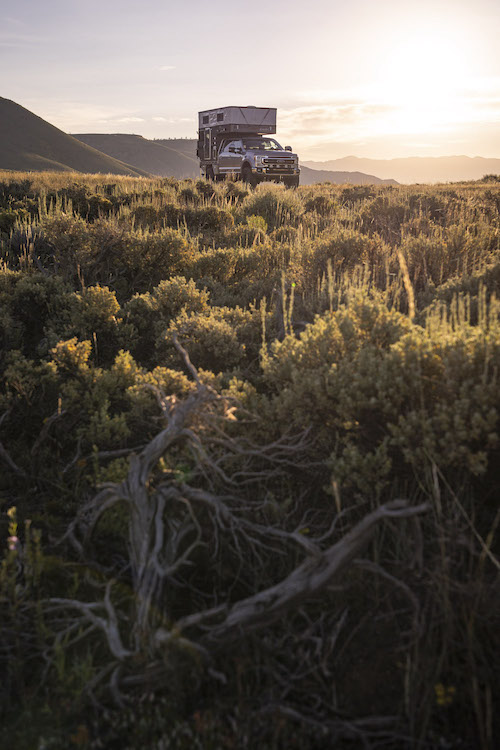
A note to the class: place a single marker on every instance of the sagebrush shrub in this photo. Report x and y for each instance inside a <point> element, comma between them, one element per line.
<point>379,392</point>
<point>293,306</point>
<point>274,203</point>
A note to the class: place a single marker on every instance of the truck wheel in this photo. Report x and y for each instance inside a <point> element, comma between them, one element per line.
<point>292,181</point>
<point>248,177</point>
<point>209,172</point>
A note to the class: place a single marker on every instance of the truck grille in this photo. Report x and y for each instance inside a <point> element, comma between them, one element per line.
<point>279,164</point>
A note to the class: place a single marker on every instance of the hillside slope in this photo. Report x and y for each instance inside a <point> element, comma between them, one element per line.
<point>29,143</point>
<point>152,156</point>
<point>186,146</point>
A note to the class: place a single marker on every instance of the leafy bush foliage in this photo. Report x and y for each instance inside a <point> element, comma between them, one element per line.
<point>382,393</point>
<point>275,204</point>
<point>204,386</point>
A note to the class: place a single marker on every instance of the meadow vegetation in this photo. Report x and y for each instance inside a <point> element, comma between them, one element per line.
<point>249,464</point>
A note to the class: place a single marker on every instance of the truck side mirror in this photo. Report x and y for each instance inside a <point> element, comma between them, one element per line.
<point>232,149</point>
<point>288,148</point>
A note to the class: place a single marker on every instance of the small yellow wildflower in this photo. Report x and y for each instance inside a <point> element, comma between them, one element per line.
<point>444,694</point>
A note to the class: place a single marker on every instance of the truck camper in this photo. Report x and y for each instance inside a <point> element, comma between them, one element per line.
<point>235,141</point>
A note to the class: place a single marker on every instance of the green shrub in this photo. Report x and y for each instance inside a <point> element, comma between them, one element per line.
<point>96,309</point>
<point>208,220</point>
<point>275,204</point>
<point>227,265</point>
<point>357,193</point>
<point>343,249</point>
<point>149,314</point>
<point>321,203</point>
<point>220,340</point>
<point>380,393</point>
<point>68,243</point>
<point>145,215</point>
<point>384,216</point>
<point>29,306</point>
<point>427,259</point>
<point>356,406</point>
<point>177,294</point>
<point>158,256</point>
<point>205,188</point>
<point>236,191</point>
<point>8,221</point>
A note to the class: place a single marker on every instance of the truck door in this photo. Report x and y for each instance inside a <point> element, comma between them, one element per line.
<point>230,157</point>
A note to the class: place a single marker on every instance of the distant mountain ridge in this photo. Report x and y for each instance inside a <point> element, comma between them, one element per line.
<point>416,168</point>
<point>310,176</point>
<point>28,143</point>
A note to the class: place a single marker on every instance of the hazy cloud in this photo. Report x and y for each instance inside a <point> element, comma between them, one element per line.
<point>347,119</point>
<point>171,120</point>
<point>11,39</point>
<point>75,117</point>
<point>362,118</point>
<point>486,106</point>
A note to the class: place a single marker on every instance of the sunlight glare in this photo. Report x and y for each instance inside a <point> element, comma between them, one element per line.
<point>422,80</point>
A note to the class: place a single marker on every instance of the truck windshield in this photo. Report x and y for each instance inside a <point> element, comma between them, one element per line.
<point>261,144</point>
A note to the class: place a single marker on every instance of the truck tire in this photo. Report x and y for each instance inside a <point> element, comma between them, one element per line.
<point>209,172</point>
<point>247,176</point>
<point>292,181</point>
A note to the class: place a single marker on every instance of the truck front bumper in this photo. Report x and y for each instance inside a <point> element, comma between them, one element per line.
<point>271,173</point>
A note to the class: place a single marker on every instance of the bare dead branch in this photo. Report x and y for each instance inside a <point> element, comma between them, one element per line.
<point>169,520</point>
<point>45,431</point>
<point>109,626</point>
<point>307,580</point>
<point>11,463</point>
<point>187,361</point>
<point>377,569</point>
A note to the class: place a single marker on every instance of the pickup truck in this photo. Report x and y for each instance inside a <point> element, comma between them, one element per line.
<point>234,141</point>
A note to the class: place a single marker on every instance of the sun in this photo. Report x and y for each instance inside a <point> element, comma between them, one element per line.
<point>422,79</point>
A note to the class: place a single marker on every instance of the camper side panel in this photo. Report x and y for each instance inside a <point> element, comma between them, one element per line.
<point>239,119</point>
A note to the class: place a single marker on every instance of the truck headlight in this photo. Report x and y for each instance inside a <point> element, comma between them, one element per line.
<point>259,161</point>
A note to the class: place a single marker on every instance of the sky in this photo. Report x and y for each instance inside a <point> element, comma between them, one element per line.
<point>370,78</point>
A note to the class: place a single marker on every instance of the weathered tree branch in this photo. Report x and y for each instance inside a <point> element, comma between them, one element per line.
<point>169,521</point>
<point>307,580</point>
<point>11,463</point>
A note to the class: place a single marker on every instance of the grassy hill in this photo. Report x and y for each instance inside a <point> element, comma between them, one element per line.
<point>29,143</point>
<point>185,146</point>
<point>153,156</point>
